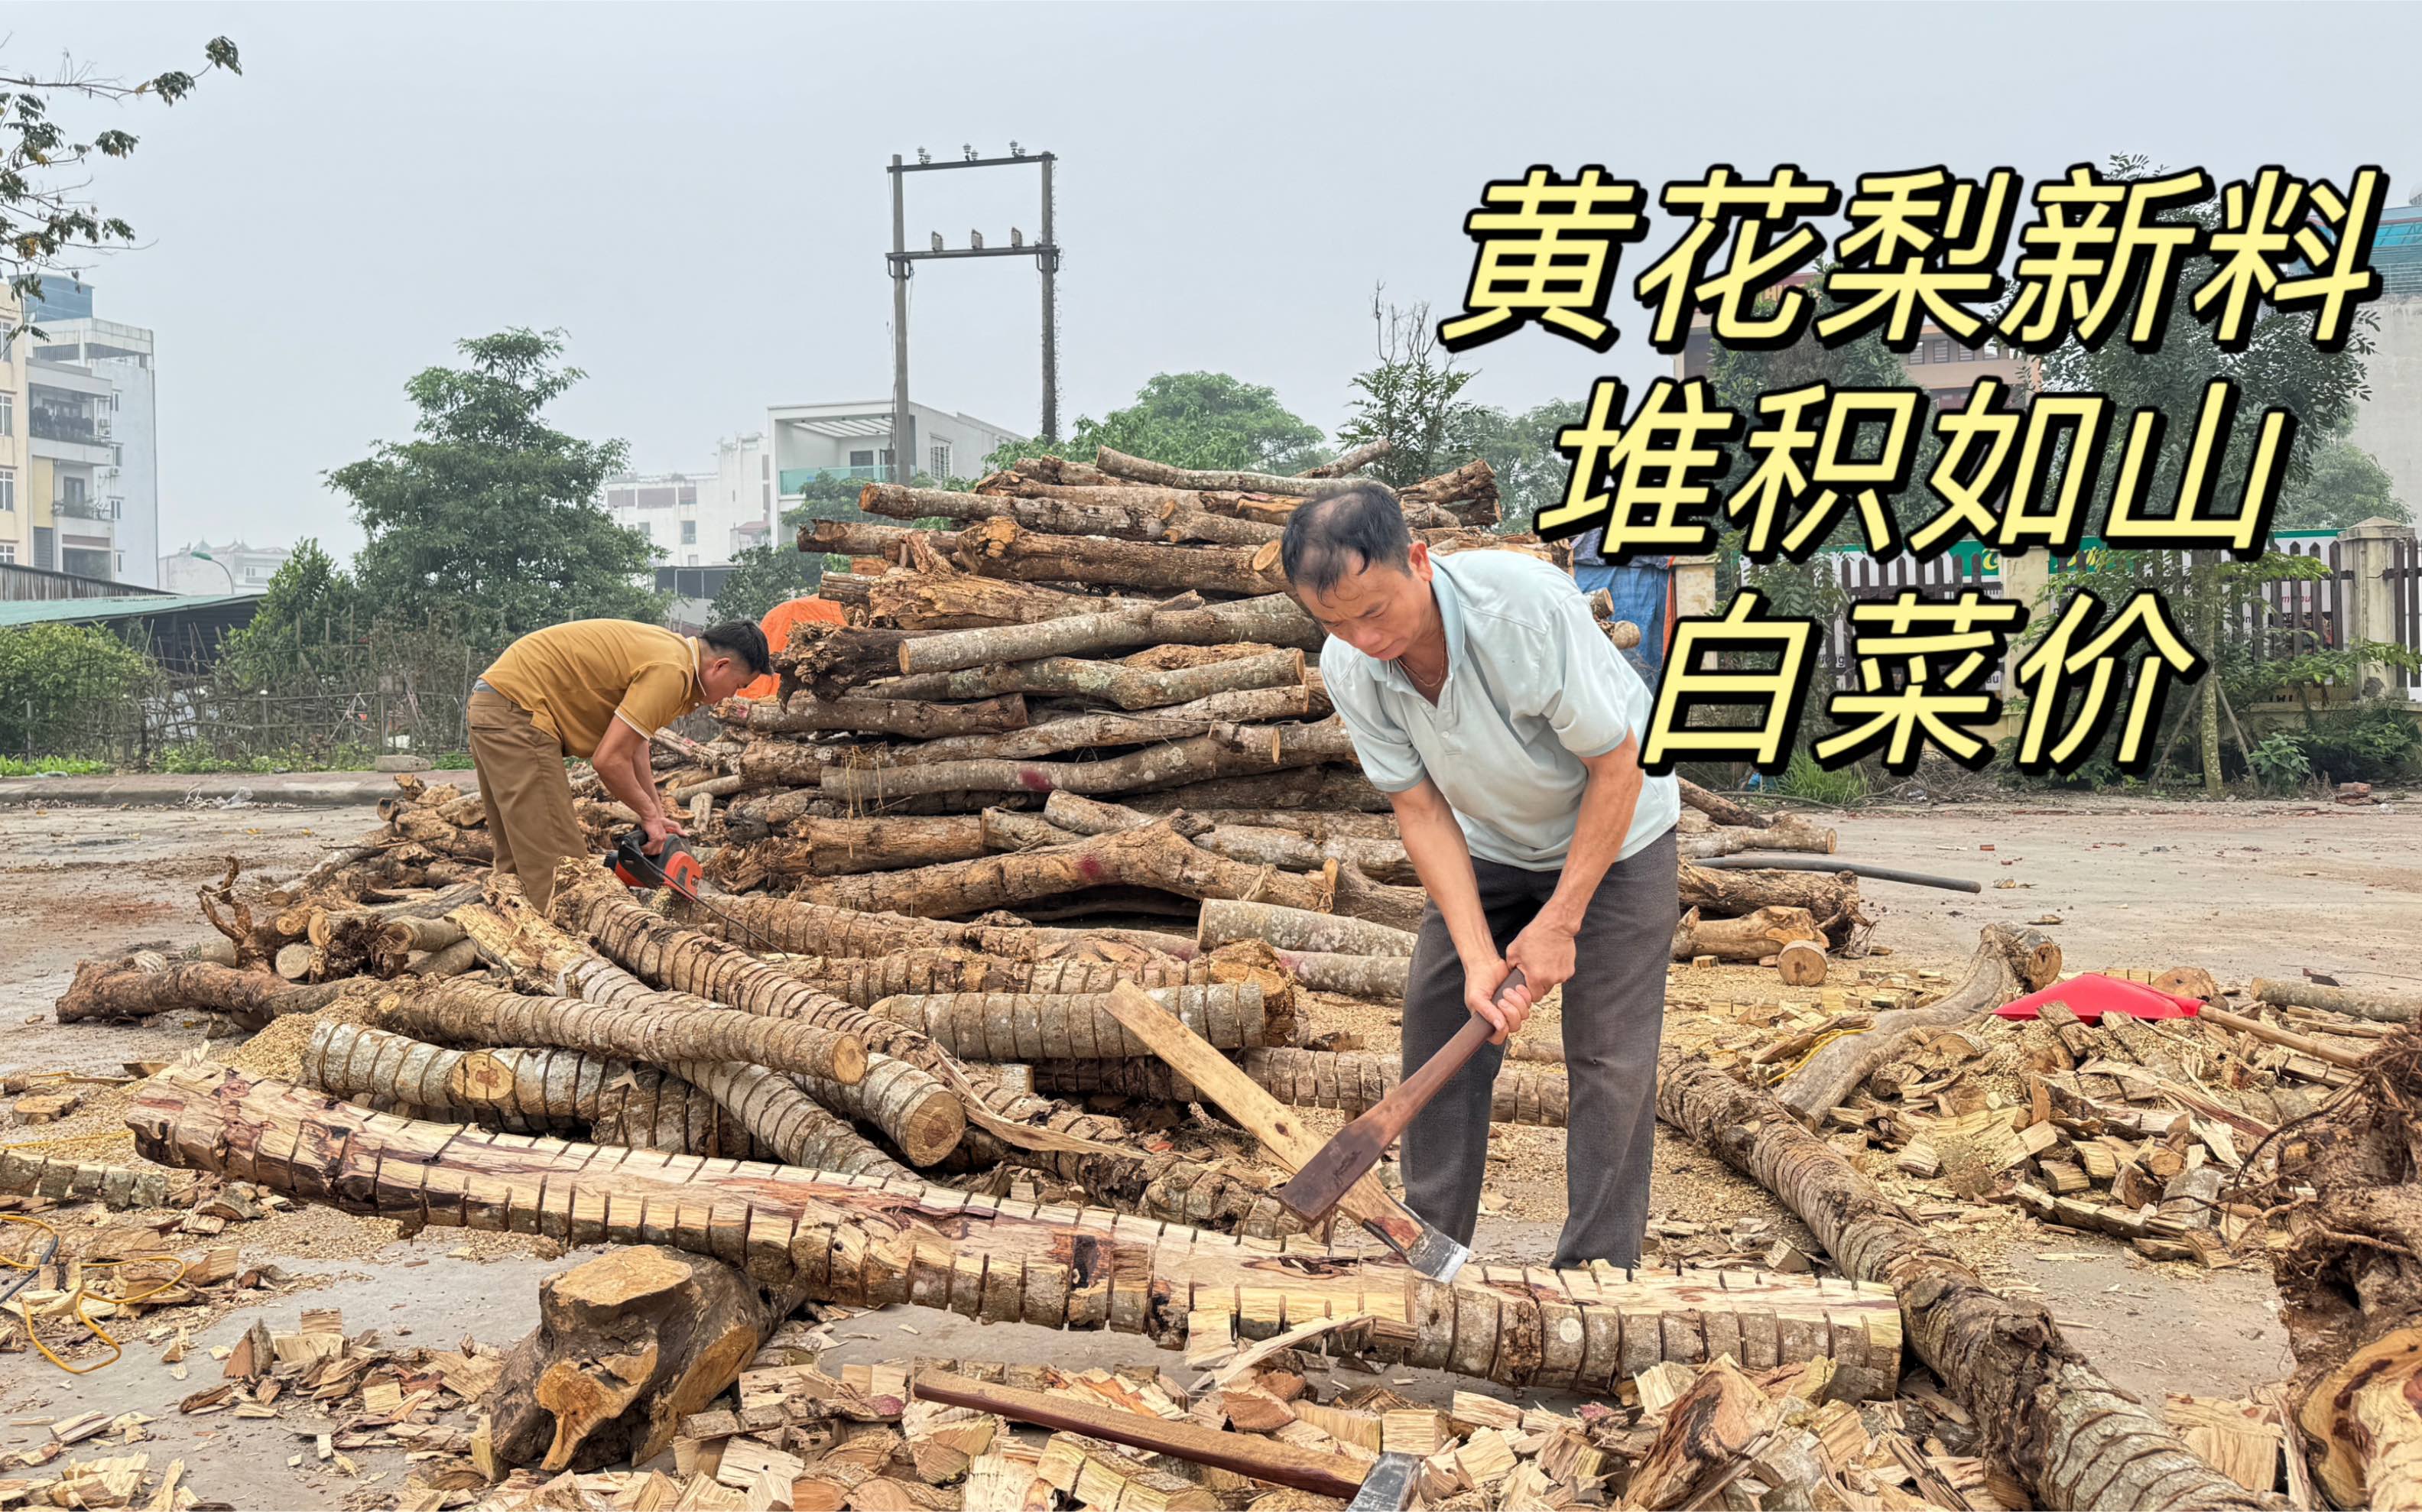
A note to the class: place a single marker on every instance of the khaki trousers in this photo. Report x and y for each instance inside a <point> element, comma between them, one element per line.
<point>528,796</point>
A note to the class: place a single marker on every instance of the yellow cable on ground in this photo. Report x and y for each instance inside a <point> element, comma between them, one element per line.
<point>83,1290</point>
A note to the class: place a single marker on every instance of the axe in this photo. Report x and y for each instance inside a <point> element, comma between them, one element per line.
<point>1220,1080</point>
<point>1321,1181</point>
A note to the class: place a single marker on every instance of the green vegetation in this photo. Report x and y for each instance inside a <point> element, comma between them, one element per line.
<point>52,766</point>
<point>1190,419</point>
<point>56,679</point>
<point>1803,778</point>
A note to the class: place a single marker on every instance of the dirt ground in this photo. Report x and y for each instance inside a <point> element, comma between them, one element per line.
<point>2243,889</point>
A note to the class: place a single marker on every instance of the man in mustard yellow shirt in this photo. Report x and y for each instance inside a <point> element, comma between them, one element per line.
<point>598,689</point>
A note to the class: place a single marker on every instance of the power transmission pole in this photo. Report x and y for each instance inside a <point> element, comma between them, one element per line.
<point>902,262</point>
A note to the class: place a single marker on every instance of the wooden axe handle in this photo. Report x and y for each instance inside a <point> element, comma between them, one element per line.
<point>1390,1113</point>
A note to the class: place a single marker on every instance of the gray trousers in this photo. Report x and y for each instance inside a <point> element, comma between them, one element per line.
<point>1613,1014</point>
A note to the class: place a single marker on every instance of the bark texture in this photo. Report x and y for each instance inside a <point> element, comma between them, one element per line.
<point>871,1244</point>
<point>1012,1026</point>
<point>912,719</point>
<point>1124,684</point>
<point>1155,857</point>
<point>1298,929</point>
<point>2042,1408</point>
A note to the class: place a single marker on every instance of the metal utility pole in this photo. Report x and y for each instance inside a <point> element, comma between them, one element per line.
<point>903,424</point>
<point>1045,254</point>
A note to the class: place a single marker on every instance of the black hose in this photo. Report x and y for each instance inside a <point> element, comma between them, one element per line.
<point>1835,863</point>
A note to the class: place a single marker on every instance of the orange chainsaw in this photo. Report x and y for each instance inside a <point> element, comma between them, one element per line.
<point>675,866</point>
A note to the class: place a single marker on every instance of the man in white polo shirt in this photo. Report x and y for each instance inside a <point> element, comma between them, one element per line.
<point>1484,700</point>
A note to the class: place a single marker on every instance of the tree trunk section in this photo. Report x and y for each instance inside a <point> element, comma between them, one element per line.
<point>954,601</point>
<point>627,1345</point>
<point>1751,938</point>
<point>866,1244</point>
<point>807,714</point>
<point>1124,684</point>
<point>1274,620</point>
<point>1088,731</point>
<point>2008,963</point>
<point>1000,547</point>
<point>1722,810</point>
<point>2379,1007</point>
<point>813,929</point>
<point>1337,789</point>
<point>1831,900</point>
<point>843,847</point>
<point>2073,1438</point>
<point>144,986</point>
<point>1012,1026</point>
<point>1350,1081</point>
<point>789,1123</point>
<point>1155,857</point>
<point>1224,922</point>
<point>1290,849</point>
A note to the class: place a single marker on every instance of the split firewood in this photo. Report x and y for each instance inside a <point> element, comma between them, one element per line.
<point>2009,963</point>
<point>627,1345</point>
<point>1707,1431</point>
<point>1008,1026</point>
<point>2075,1440</point>
<point>1750,938</point>
<point>1002,1261</point>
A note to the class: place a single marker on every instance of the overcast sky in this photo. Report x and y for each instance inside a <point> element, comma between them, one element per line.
<point>696,193</point>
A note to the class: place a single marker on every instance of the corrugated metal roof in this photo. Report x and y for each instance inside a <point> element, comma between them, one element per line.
<point>84,611</point>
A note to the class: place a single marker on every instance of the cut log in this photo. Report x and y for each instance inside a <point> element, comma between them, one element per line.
<point>145,984</point>
<point>789,1123</point>
<point>1722,810</point>
<point>922,1117</point>
<point>1707,1431</point>
<point>869,1244</point>
<point>1350,1081</point>
<point>1181,760</point>
<point>954,601</point>
<point>913,720</point>
<point>1383,859</point>
<point>453,1009</point>
<point>120,1186</point>
<point>1351,461</point>
<point>1274,620</point>
<point>1124,685</point>
<point>526,1090</point>
<point>2379,1007</point>
<point>1000,547</point>
<point>2008,963</point>
<point>2075,1440</point>
<point>627,1345</point>
<point>842,847</point>
<point>1085,1150</point>
<point>862,983</point>
<point>813,929</point>
<point>1315,825</point>
<point>1334,789</point>
<point>1787,834</point>
<point>1298,929</point>
<point>1155,857</point>
<point>1086,732</point>
<point>1145,471</point>
<point>1751,938</point>
<point>1370,978</point>
<point>1009,1026</point>
<point>1802,964</point>
<point>1831,900</point>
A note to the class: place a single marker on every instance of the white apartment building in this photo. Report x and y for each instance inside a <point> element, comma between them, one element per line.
<point>202,568</point>
<point>854,440</point>
<point>699,519</point>
<point>77,442</point>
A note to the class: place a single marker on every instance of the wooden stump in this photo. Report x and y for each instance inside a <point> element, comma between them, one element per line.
<point>627,1345</point>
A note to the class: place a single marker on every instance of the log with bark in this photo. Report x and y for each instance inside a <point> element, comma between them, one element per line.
<point>921,1115</point>
<point>1145,471</point>
<point>840,848</point>
<point>1157,858</point>
<point>145,984</point>
<point>1124,685</point>
<point>2043,1410</point>
<point>1382,859</point>
<point>1224,922</point>
<point>2008,963</point>
<point>927,970</point>
<point>799,928</point>
<point>913,720</point>
<point>1087,730</point>
<point>1014,1026</point>
<point>2379,1007</point>
<point>1093,1153</point>
<point>1722,810</point>
<point>627,1345</point>
<point>955,601</point>
<point>1274,620</point>
<point>1831,900</point>
<point>528,1091</point>
<point>1786,834</point>
<point>1333,789</point>
<point>1178,761</point>
<point>1751,938</point>
<point>1000,547</point>
<point>862,1243</point>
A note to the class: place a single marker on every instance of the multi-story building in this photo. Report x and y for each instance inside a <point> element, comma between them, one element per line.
<point>854,441</point>
<point>2389,424</point>
<point>234,568</point>
<point>16,473</point>
<point>85,475</point>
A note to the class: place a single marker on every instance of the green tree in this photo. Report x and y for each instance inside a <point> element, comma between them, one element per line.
<point>310,606</point>
<point>1189,419</point>
<point>2279,368</point>
<point>1521,450</point>
<point>490,512</point>
<point>45,170</point>
<point>2342,486</point>
<point>60,682</point>
<point>1412,399</point>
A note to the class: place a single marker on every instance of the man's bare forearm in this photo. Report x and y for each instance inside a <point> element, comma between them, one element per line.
<point>1434,843</point>
<point>1608,802</point>
<point>632,780</point>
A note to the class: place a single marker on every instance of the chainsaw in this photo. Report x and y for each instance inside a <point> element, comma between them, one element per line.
<point>674,866</point>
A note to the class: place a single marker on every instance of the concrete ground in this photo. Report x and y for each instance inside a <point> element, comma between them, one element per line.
<point>2243,889</point>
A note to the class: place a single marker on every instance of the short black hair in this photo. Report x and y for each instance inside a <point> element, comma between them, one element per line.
<point>741,639</point>
<point>1343,532</point>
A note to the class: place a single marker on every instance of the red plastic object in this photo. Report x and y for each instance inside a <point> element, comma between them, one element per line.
<point>2092,995</point>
